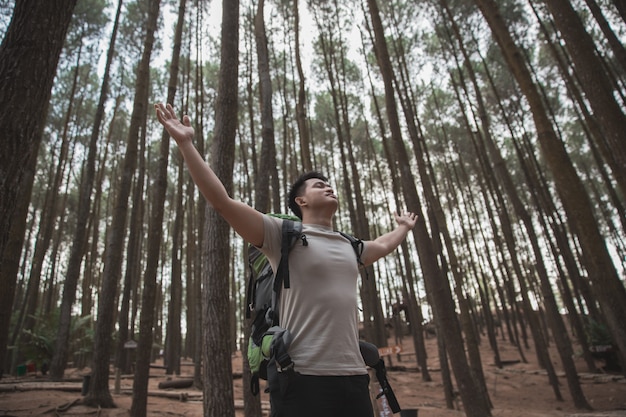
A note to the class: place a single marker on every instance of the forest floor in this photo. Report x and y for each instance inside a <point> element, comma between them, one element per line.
<point>518,389</point>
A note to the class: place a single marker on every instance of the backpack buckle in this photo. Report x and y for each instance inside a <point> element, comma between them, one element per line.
<point>285,369</point>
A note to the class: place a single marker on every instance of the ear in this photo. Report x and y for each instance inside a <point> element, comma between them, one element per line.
<point>301,201</point>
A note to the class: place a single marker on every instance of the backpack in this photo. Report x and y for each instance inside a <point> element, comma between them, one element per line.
<point>267,340</point>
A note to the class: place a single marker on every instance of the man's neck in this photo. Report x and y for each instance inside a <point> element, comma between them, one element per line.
<point>320,219</point>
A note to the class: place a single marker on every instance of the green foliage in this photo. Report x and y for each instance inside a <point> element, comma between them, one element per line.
<point>38,345</point>
<point>597,333</point>
<point>37,348</point>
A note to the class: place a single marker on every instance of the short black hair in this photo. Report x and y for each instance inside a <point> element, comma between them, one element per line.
<point>297,188</point>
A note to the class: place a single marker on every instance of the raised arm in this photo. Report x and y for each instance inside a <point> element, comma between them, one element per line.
<point>385,244</point>
<point>246,221</point>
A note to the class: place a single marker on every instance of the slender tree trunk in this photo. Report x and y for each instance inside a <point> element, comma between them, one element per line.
<point>268,148</point>
<point>473,402</point>
<point>149,301</point>
<point>606,284</point>
<point>77,251</point>
<point>301,103</point>
<point>614,42</point>
<point>50,210</point>
<point>99,394</point>
<point>200,215</point>
<point>218,394</point>
<point>594,82</point>
<point>173,335</point>
<point>414,309</point>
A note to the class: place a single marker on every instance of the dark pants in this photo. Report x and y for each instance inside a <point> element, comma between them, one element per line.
<point>322,396</point>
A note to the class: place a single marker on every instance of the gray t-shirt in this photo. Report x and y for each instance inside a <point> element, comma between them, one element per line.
<point>320,307</point>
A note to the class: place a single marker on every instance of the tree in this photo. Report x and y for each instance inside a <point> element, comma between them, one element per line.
<point>216,315</point>
<point>268,147</point>
<point>99,394</point>
<point>474,404</point>
<point>595,83</point>
<point>155,237</point>
<point>606,284</point>
<point>301,104</point>
<point>28,61</point>
<point>59,360</point>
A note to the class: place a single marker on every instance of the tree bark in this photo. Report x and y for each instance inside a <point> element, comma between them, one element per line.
<point>99,394</point>
<point>29,55</point>
<point>473,402</point>
<point>173,335</point>
<point>594,82</point>
<point>59,360</point>
<point>606,284</point>
<point>301,103</point>
<point>150,293</point>
<point>217,371</point>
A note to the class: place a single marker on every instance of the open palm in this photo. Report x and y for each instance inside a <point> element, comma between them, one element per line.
<point>180,131</point>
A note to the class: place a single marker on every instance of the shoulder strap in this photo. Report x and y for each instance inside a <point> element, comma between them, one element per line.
<point>358,246</point>
<point>291,233</point>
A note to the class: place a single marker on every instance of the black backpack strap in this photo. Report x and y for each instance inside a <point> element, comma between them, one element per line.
<point>291,233</point>
<point>358,245</point>
<point>373,360</point>
<point>250,290</point>
<point>254,384</point>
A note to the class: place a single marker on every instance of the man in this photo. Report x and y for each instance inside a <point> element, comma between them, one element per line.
<point>320,307</point>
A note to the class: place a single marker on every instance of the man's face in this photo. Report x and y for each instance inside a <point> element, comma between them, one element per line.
<point>319,192</point>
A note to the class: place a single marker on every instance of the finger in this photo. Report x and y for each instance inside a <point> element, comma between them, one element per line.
<point>171,111</point>
<point>159,112</point>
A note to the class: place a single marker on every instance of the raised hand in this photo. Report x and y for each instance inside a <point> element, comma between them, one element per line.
<point>407,219</point>
<point>182,132</point>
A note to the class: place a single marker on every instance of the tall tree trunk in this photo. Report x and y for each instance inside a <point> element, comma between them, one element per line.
<point>200,215</point>
<point>50,210</point>
<point>10,262</point>
<point>473,402</point>
<point>268,148</point>
<point>173,336</point>
<point>606,284</point>
<point>614,42</point>
<point>414,309</point>
<point>301,103</point>
<point>261,168</point>
<point>149,304</point>
<point>190,266</point>
<point>29,55</point>
<point>595,83</point>
<point>252,403</point>
<point>218,394</point>
<point>59,360</point>
<point>99,394</point>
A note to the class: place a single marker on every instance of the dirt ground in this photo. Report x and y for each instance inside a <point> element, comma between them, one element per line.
<point>519,389</point>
